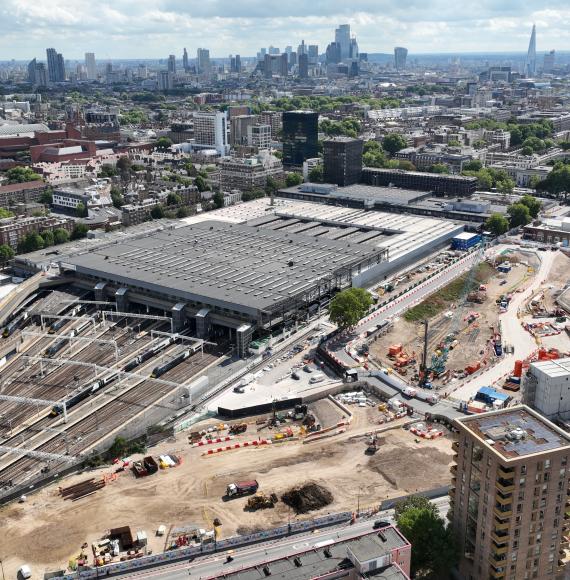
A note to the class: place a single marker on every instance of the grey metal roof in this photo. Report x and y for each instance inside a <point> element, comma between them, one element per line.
<point>12,129</point>
<point>234,266</point>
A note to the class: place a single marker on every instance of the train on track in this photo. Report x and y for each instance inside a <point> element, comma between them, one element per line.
<point>16,323</point>
<point>161,369</point>
<point>148,354</point>
<point>61,322</point>
<point>82,394</point>
<point>57,346</point>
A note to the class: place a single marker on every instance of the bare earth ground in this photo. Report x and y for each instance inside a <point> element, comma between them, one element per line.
<point>472,338</point>
<point>46,531</point>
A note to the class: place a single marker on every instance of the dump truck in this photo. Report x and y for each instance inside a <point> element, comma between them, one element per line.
<point>238,428</point>
<point>240,488</point>
<point>261,501</point>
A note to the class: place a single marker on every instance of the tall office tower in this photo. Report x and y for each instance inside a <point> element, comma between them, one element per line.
<point>313,54</point>
<point>211,130</point>
<point>56,66</point>
<point>300,137</point>
<point>301,49</point>
<point>203,61</point>
<point>185,60</point>
<point>165,80</point>
<point>353,53</point>
<point>304,66</point>
<point>283,64</point>
<point>172,63</point>
<point>288,49</point>
<point>267,66</point>
<point>293,59</point>
<point>400,56</point>
<point>90,66</point>
<point>274,50</point>
<point>508,493</point>
<point>548,65</point>
<point>342,37</point>
<point>333,53</point>
<point>342,160</point>
<point>32,71</point>
<point>530,63</point>
<point>238,63</point>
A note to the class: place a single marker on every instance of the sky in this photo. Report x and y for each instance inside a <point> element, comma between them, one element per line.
<point>157,28</point>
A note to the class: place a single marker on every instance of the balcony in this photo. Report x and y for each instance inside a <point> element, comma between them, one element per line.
<point>502,525</point>
<point>502,513</point>
<point>452,491</point>
<point>453,470</point>
<point>496,573</point>
<point>505,485</point>
<point>500,536</point>
<point>500,550</point>
<point>455,446</point>
<point>505,472</point>
<point>497,560</point>
<point>504,500</point>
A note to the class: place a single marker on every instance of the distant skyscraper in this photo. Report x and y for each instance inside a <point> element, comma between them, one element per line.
<point>90,66</point>
<point>165,80</point>
<point>303,66</point>
<point>313,54</point>
<point>400,56</point>
<point>342,37</point>
<point>238,63</point>
<point>185,60</point>
<point>353,51</point>
<point>548,65</point>
<point>530,63</point>
<point>301,49</point>
<point>37,74</point>
<point>203,61</point>
<point>333,53</point>
<point>300,137</point>
<point>172,63</point>
<point>56,66</point>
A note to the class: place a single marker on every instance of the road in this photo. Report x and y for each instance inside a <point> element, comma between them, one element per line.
<point>513,333</point>
<point>213,565</point>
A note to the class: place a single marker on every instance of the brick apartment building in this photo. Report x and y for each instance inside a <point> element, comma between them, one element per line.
<point>13,230</point>
<point>28,192</point>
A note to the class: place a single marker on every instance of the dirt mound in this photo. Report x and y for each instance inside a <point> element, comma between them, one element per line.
<point>308,497</point>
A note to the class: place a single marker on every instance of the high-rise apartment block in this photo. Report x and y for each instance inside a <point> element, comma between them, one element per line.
<point>56,66</point>
<point>342,160</point>
<point>203,64</point>
<point>172,64</point>
<point>304,66</point>
<point>509,496</point>
<point>546,388</point>
<point>210,131</point>
<point>37,73</point>
<point>400,56</point>
<point>90,66</point>
<point>300,137</point>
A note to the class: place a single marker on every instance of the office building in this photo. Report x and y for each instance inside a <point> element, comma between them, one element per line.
<point>508,495</point>
<point>302,49</point>
<point>300,137</point>
<point>313,54</point>
<point>37,73</point>
<point>235,63</point>
<point>333,53</point>
<point>304,66</point>
<point>185,65</point>
<point>172,64</point>
<point>400,56</point>
<point>342,38</point>
<point>249,173</point>
<point>530,62</point>
<point>210,131</point>
<point>275,64</point>
<point>56,66</point>
<point>342,160</point>
<point>239,125</point>
<point>353,52</point>
<point>546,388</point>
<point>165,80</point>
<point>90,66</point>
<point>274,119</point>
<point>203,65</point>
<point>259,136</point>
<point>548,65</point>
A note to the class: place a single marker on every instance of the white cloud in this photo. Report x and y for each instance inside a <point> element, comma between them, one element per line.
<point>156,28</point>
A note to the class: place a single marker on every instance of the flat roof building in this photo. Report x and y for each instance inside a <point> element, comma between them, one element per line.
<point>342,160</point>
<point>300,137</point>
<point>509,493</point>
<point>546,388</point>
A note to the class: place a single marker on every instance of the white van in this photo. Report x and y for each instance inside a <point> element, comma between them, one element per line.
<point>317,378</point>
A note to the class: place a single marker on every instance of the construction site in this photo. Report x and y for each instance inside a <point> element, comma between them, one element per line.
<point>226,479</point>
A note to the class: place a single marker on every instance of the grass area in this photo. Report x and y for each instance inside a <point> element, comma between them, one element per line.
<point>442,300</point>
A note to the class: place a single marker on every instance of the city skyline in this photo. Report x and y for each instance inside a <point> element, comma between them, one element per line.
<point>156,28</point>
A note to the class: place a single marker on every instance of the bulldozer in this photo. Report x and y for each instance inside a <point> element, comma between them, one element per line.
<point>260,501</point>
<point>238,428</point>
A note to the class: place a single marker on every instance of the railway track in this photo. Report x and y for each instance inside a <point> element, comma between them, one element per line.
<point>87,431</point>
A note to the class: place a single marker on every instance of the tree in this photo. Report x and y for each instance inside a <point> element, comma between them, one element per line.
<point>218,199</point>
<point>473,165</point>
<point>316,174</point>
<point>453,143</point>
<point>413,501</point>
<point>81,210</point>
<point>293,179</point>
<point>4,213</point>
<point>183,212</point>
<point>107,171</point>
<point>173,199</point>
<point>557,181</point>
<point>349,306</point>
<point>532,203</point>
<point>124,164</point>
<point>60,236</point>
<point>157,212</point>
<point>406,165</point>
<point>519,215</point>
<point>438,168</point>
<point>435,549</point>
<point>22,175</point>
<point>48,238</point>
<point>79,231</point>
<point>497,224</point>
<point>163,143</point>
<point>117,197</point>
<point>393,143</point>
<point>249,195</point>
<point>271,185</point>
<point>47,196</point>
<point>505,186</point>
<point>6,253</point>
<point>201,184</point>
<point>30,243</point>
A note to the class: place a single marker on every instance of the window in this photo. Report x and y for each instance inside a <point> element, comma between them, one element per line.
<point>547,464</point>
